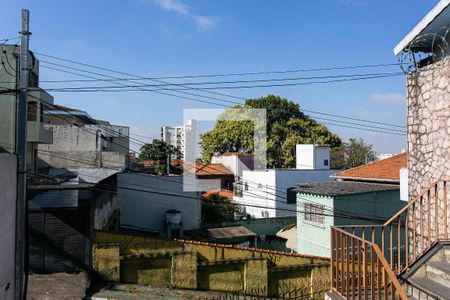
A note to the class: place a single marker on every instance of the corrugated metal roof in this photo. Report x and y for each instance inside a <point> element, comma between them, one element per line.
<point>336,188</point>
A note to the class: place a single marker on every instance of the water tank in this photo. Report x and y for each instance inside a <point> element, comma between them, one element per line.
<point>173,216</point>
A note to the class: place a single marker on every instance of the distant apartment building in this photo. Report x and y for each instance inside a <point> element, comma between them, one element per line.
<point>81,141</point>
<point>38,102</point>
<point>180,137</point>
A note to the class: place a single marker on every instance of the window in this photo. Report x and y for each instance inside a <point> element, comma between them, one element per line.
<point>32,111</point>
<point>291,196</point>
<point>313,213</point>
<point>246,186</point>
<point>237,190</point>
<point>33,79</point>
<point>325,162</point>
<point>265,214</point>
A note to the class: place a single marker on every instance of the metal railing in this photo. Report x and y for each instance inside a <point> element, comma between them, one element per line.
<point>377,254</point>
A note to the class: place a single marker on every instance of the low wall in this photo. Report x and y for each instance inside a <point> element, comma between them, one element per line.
<point>205,266</point>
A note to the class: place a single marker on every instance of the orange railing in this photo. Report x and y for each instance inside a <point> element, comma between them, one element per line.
<point>389,249</point>
<point>359,269</point>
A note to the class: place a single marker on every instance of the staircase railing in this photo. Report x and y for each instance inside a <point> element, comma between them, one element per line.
<point>399,242</point>
<point>359,269</point>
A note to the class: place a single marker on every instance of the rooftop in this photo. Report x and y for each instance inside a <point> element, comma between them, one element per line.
<point>202,169</point>
<point>385,170</point>
<point>221,192</point>
<point>436,21</point>
<point>242,154</point>
<point>337,188</point>
<point>220,233</point>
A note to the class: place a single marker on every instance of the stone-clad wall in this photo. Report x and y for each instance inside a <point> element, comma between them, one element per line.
<point>428,95</point>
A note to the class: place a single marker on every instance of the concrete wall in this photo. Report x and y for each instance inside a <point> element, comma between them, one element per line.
<point>8,187</point>
<point>73,138</point>
<point>77,147</point>
<point>206,266</point>
<point>367,208</point>
<point>146,210</point>
<point>268,188</point>
<point>428,96</point>
<point>8,101</point>
<point>81,159</point>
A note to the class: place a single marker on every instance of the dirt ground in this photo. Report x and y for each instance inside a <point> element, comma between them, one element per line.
<point>57,286</point>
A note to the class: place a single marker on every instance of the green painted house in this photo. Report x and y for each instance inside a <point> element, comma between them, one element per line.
<point>337,203</point>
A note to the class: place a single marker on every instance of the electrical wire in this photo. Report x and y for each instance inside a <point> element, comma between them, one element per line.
<point>339,125</point>
<point>109,70</point>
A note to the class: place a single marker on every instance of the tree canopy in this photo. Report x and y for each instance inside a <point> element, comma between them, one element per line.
<point>158,151</point>
<point>352,154</point>
<point>286,127</point>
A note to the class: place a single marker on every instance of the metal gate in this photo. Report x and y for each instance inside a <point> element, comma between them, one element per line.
<point>59,240</point>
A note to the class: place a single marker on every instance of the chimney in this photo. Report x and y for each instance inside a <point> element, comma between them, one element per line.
<point>312,157</point>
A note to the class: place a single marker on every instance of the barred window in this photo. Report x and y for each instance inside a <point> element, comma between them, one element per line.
<point>237,190</point>
<point>313,212</point>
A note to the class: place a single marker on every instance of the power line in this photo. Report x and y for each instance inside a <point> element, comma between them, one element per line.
<point>232,96</point>
<point>357,126</point>
<point>236,74</point>
<point>369,128</point>
<point>69,157</point>
<point>124,187</point>
<point>109,70</point>
<point>216,82</point>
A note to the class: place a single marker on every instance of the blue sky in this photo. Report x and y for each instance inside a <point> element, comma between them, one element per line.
<point>177,37</point>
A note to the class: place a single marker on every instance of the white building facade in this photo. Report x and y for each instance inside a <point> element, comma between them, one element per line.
<point>270,193</point>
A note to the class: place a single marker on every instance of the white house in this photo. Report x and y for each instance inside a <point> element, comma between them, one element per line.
<point>236,162</point>
<point>269,193</point>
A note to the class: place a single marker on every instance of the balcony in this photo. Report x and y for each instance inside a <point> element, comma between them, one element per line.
<point>36,133</point>
<point>38,94</point>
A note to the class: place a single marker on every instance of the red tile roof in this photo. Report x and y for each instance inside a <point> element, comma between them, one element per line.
<point>381,170</point>
<point>222,192</point>
<point>202,169</point>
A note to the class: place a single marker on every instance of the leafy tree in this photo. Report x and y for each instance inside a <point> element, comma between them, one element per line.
<point>158,151</point>
<point>286,127</point>
<point>218,208</point>
<point>352,154</point>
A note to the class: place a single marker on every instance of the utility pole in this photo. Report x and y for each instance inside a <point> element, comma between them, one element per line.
<point>21,150</point>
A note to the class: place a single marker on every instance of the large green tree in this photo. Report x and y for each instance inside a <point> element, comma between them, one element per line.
<point>351,154</point>
<point>158,151</point>
<point>287,126</point>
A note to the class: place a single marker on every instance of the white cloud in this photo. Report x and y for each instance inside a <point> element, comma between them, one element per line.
<point>392,98</point>
<point>202,22</point>
<point>173,5</point>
